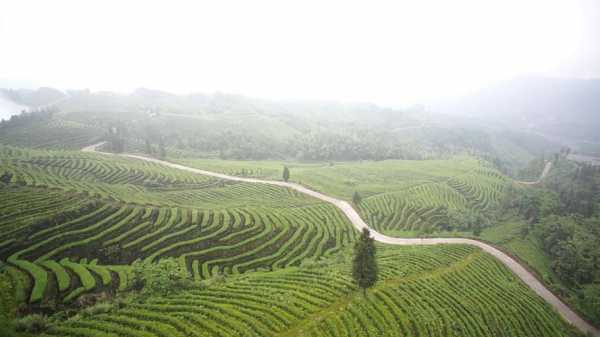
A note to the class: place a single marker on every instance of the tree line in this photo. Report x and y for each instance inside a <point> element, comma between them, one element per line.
<point>563,217</point>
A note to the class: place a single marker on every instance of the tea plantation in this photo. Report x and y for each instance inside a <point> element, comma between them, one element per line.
<point>425,291</point>
<point>261,260</point>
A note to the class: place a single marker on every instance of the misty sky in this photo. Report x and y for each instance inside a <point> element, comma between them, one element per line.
<point>393,52</point>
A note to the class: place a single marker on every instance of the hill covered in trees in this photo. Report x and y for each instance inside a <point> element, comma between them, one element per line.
<point>237,127</point>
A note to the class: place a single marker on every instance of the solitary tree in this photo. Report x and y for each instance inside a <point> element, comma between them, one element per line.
<point>364,264</point>
<point>356,198</point>
<point>286,173</point>
<point>476,228</point>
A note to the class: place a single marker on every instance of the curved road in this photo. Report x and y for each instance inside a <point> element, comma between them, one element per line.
<point>547,168</point>
<point>566,312</point>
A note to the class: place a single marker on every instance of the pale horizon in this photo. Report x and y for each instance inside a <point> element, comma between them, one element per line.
<point>387,54</point>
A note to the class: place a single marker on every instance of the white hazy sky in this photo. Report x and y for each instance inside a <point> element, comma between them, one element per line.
<point>387,52</point>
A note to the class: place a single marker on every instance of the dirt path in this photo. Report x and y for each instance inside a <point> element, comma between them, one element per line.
<point>547,168</point>
<point>528,278</point>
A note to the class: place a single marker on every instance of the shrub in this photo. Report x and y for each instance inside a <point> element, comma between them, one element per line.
<point>100,308</point>
<point>59,316</point>
<point>185,283</point>
<point>32,324</point>
<point>313,263</point>
<point>161,277</point>
<point>7,298</point>
<point>215,279</point>
<point>121,303</point>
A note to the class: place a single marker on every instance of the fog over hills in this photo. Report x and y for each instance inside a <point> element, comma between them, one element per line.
<point>562,109</point>
<point>13,101</point>
<point>532,113</point>
<point>9,107</point>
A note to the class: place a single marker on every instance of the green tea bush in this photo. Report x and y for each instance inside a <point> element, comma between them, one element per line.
<point>32,324</point>
<point>99,308</point>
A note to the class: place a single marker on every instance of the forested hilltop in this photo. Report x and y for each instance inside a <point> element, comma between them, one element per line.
<point>237,127</point>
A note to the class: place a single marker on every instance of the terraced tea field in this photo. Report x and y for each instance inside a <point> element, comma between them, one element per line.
<point>59,245</point>
<point>396,195</point>
<point>73,223</point>
<point>525,275</point>
<point>425,291</point>
<point>135,181</point>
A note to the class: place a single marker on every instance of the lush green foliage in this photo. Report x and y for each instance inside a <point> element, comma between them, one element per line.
<point>555,229</point>
<point>573,249</point>
<point>421,293</point>
<point>8,299</point>
<point>160,277</point>
<point>34,324</point>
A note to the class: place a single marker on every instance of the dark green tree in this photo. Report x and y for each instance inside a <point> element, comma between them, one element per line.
<point>565,262</point>
<point>476,228</point>
<point>148,146</point>
<point>364,264</point>
<point>592,301</point>
<point>6,177</point>
<point>286,173</point>
<point>162,152</point>
<point>356,198</point>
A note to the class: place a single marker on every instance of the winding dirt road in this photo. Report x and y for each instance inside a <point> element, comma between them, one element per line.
<point>528,278</point>
<point>547,168</point>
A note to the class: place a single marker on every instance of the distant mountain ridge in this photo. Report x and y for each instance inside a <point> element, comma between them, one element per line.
<point>561,109</point>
